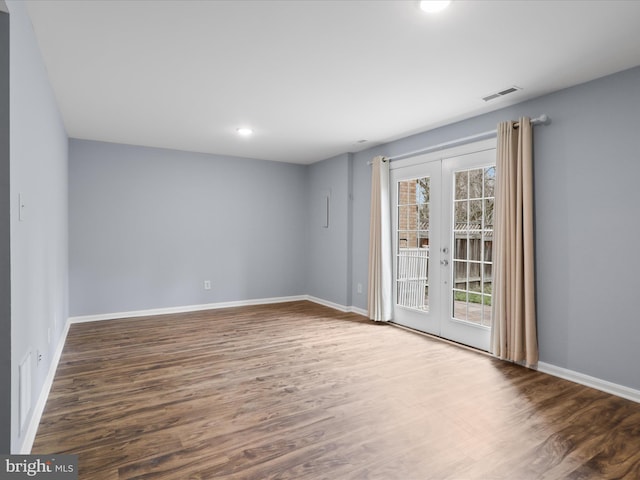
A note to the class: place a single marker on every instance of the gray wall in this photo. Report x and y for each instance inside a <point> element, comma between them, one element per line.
<point>148,226</point>
<point>329,248</point>
<point>5,242</point>
<point>587,169</point>
<point>39,242</point>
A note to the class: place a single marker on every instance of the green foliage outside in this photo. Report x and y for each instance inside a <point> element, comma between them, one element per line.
<point>474,297</point>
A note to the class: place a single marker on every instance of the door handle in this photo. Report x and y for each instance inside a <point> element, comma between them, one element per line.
<point>444,263</point>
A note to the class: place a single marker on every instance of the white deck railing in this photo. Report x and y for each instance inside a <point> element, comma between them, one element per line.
<point>412,277</point>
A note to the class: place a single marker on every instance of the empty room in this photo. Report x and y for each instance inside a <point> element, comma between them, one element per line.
<point>319,239</point>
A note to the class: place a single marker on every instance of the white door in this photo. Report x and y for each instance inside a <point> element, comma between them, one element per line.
<point>442,218</point>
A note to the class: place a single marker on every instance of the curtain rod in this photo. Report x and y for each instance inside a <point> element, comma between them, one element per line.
<point>541,120</point>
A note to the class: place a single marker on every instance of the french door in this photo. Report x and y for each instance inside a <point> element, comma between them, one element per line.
<point>442,220</point>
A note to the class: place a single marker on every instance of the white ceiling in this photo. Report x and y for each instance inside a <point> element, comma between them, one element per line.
<point>312,77</point>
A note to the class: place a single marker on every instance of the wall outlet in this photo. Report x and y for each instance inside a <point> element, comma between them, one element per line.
<point>39,356</point>
<point>207,284</point>
<point>359,288</point>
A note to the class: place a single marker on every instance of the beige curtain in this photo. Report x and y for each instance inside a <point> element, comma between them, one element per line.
<point>380,304</point>
<point>514,334</point>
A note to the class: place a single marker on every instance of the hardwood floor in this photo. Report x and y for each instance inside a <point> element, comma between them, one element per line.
<point>301,391</point>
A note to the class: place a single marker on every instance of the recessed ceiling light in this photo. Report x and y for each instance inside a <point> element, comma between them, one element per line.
<point>434,6</point>
<point>244,131</point>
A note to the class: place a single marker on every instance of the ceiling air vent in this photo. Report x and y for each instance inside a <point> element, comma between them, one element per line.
<point>501,93</point>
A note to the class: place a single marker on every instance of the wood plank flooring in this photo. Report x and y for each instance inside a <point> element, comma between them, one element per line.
<point>300,391</point>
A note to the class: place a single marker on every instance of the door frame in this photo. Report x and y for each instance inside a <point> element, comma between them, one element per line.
<point>442,308</point>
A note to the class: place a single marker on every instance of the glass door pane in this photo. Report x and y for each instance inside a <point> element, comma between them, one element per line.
<point>472,236</point>
<point>412,246</point>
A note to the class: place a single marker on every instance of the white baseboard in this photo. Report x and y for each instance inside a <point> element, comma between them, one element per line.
<point>214,306</point>
<point>359,311</point>
<point>38,409</point>
<point>593,382</point>
<point>184,309</point>
<point>336,306</point>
